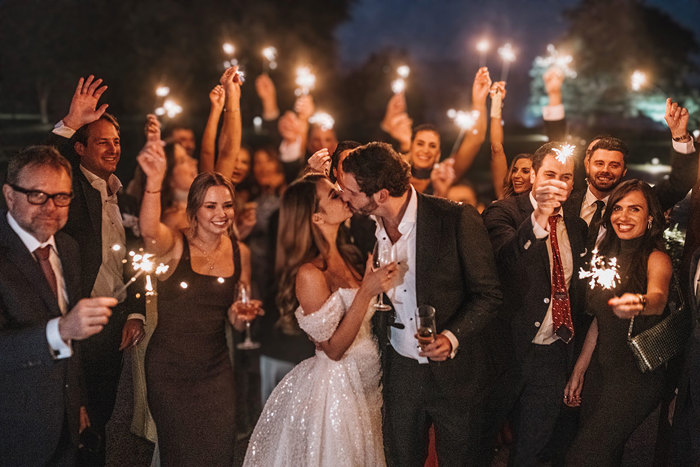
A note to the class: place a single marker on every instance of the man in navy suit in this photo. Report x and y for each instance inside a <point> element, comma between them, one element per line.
<point>41,314</point>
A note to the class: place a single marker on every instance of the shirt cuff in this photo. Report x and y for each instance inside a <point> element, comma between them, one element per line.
<point>290,151</point>
<point>539,231</point>
<point>138,316</point>
<point>684,148</point>
<point>62,130</point>
<point>553,112</point>
<point>453,340</point>
<point>60,348</point>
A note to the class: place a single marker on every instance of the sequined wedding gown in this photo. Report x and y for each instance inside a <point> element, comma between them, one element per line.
<point>325,412</point>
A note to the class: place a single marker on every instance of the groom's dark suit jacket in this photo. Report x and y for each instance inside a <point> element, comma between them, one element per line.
<point>38,394</point>
<point>456,274</point>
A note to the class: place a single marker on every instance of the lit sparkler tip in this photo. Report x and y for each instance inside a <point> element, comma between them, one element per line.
<point>451,113</point>
<point>398,86</point>
<point>403,71</point>
<point>465,120</point>
<point>306,80</point>
<point>160,111</point>
<point>507,53</point>
<point>483,46</point>
<point>638,80</point>
<point>162,91</point>
<point>184,285</point>
<point>322,120</point>
<point>269,53</point>
<point>603,272</point>
<point>564,152</point>
<point>229,49</point>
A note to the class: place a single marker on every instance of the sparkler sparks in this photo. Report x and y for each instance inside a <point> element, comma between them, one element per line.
<point>463,119</point>
<point>398,86</point>
<point>403,71</point>
<point>564,152</point>
<point>507,54</point>
<point>170,107</point>
<point>602,272</point>
<point>143,264</point>
<point>305,81</point>
<point>322,120</point>
<point>270,57</point>
<point>557,59</point>
<point>162,91</point>
<point>483,46</point>
<point>638,80</point>
<point>228,48</point>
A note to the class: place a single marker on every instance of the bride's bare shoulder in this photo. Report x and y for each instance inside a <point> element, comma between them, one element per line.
<point>311,288</point>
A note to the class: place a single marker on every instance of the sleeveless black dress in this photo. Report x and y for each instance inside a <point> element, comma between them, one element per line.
<point>188,372</point>
<point>617,396</point>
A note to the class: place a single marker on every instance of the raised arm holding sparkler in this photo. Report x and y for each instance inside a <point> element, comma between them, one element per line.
<point>499,164</point>
<point>230,138</point>
<point>475,136</point>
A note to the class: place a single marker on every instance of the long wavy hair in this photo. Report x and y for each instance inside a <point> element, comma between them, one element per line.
<point>652,239</point>
<point>198,190</point>
<point>508,190</point>
<point>300,241</point>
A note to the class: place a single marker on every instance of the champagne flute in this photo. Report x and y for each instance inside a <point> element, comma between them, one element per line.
<point>247,311</point>
<point>381,256</point>
<point>425,324</point>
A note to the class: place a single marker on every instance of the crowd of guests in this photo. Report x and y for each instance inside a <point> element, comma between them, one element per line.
<point>526,353</point>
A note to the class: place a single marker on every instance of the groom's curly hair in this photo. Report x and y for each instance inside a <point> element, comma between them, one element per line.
<point>377,166</point>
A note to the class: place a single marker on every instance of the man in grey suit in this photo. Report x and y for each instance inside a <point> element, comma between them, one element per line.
<point>41,314</point>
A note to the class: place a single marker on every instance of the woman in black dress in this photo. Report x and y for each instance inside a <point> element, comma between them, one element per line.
<point>188,370</point>
<point>617,396</point>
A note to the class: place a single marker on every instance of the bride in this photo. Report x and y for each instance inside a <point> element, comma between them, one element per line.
<point>327,410</point>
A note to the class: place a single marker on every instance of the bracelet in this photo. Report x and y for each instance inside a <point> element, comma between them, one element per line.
<point>152,192</point>
<point>642,301</point>
<point>682,139</point>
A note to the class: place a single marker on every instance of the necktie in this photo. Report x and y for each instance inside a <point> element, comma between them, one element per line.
<point>42,254</point>
<point>594,226</point>
<point>561,308</point>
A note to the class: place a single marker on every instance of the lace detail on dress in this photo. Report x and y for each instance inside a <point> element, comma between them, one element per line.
<point>321,324</point>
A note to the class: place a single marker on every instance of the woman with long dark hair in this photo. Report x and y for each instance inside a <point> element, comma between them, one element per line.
<point>327,410</point>
<point>617,396</point>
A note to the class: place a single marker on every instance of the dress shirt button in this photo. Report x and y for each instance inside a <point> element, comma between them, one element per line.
<point>546,300</point>
<point>537,324</point>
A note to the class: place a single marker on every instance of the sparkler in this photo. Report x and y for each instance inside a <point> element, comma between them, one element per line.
<point>507,54</point>
<point>564,152</point>
<point>143,264</point>
<point>403,71</point>
<point>229,48</point>
<point>162,91</point>
<point>170,107</point>
<point>305,81</point>
<point>465,121</point>
<point>602,272</point>
<point>638,80</point>
<point>398,86</point>
<point>322,120</point>
<point>557,59</point>
<point>269,58</point>
<point>483,47</point>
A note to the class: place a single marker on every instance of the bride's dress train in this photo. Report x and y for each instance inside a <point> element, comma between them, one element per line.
<point>325,412</point>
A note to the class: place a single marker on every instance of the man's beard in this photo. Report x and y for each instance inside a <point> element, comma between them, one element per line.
<point>604,189</point>
<point>367,209</point>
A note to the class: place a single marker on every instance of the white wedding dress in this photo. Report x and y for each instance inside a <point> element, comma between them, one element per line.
<point>325,412</point>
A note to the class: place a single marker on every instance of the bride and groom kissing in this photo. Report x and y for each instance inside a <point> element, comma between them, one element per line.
<point>370,394</point>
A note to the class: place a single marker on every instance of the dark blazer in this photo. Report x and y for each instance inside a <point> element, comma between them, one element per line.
<point>37,392</point>
<point>456,274</point>
<point>523,264</point>
<point>689,385</point>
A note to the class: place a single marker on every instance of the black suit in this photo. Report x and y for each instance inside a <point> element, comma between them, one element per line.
<point>40,396</point>
<point>686,420</point>
<point>455,273</point>
<point>532,373</point>
<point>100,356</point>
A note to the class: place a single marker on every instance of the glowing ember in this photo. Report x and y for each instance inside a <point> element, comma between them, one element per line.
<point>564,152</point>
<point>602,272</point>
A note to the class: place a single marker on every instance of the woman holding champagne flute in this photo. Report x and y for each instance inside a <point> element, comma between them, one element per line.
<point>327,410</point>
<point>188,372</point>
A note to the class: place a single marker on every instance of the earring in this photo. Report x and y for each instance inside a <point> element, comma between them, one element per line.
<point>649,223</point>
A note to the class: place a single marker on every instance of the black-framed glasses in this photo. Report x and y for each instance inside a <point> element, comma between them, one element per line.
<point>38,197</point>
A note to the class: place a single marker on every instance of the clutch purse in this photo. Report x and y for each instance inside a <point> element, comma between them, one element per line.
<point>660,343</point>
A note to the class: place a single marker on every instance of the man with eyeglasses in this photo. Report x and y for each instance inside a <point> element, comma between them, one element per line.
<point>90,139</point>
<point>41,314</point>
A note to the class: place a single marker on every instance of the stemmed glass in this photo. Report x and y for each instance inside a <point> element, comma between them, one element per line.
<point>381,256</point>
<point>425,323</point>
<point>247,311</point>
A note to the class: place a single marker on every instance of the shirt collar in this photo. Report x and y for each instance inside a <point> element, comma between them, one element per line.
<point>98,183</point>
<point>28,239</point>
<point>409,216</point>
<point>533,201</point>
<point>590,198</point>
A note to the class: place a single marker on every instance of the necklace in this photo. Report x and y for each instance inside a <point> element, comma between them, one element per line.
<point>208,254</point>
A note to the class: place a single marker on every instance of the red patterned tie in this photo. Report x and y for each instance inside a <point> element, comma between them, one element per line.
<point>42,254</point>
<point>561,308</point>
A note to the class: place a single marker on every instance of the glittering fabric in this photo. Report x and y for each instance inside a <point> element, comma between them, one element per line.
<point>325,412</point>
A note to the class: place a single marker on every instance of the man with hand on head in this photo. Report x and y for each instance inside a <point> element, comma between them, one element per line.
<point>41,314</point>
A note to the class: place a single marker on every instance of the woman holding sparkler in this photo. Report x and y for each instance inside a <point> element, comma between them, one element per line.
<point>188,371</point>
<point>617,396</point>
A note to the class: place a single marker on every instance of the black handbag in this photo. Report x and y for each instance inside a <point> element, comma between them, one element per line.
<point>660,343</point>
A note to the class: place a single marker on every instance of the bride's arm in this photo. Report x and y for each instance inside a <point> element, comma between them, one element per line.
<point>313,291</point>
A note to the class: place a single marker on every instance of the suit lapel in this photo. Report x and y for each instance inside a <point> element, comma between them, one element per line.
<point>427,246</point>
<point>93,202</point>
<point>18,254</point>
<point>70,274</point>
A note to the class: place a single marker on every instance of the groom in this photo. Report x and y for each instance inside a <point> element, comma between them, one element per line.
<point>445,256</point>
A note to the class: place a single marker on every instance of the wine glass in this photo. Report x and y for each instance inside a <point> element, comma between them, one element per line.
<point>425,323</point>
<point>247,312</point>
<point>381,256</point>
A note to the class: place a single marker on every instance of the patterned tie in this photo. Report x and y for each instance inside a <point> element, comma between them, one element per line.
<point>594,226</point>
<point>561,308</point>
<point>42,254</point>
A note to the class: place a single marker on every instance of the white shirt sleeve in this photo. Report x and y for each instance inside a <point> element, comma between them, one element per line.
<point>553,112</point>
<point>684,148</point>
<point>60,348</point>
<point>453,340</point>
<point>539,231</point>
<point>62,130</point>
<point>290,151</point>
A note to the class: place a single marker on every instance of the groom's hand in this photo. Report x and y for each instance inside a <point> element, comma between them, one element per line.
<point>439,350</point>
